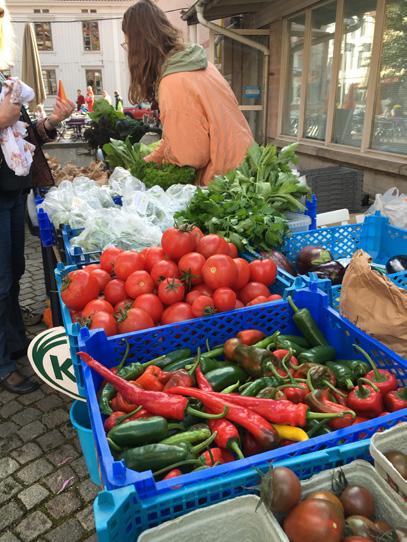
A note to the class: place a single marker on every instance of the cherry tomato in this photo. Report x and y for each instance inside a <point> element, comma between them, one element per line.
<point>314,520</point>
<point>243,273</point>
<point>218,271</point>
<point>104,320</point>
<point>280,490</point>
<point>134,320</point>
<point>358,501</point>
<point>233,252</point>
<point>91,267</point>
<point>274,297</point>
<point>171,291</point>
<point>123,306</point>
<point>108,258</point>
<point>264,271</point>
<point>192,295</point>
<point>239,304</point>
<point>253,290</point>
<point>151,304</point>
<point>257,300</point>
<point>190,267</point>
<point>127,262</point>
<point>177,313</point>
<point>97,305</point>
<point>212,244</point>
<point>139,283</point>
<point>115,291</point>
<point>177,242</point>
<point>203,306</point>
<point>224,299</point>
<point>154,255</point>
<point>102,277</point>
<point>78,288</point>
<point>165,269</point>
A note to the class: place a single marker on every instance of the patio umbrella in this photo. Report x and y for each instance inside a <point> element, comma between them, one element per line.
<point>31,67</point>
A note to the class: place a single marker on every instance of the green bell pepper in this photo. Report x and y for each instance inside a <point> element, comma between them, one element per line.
<point>318,354</point>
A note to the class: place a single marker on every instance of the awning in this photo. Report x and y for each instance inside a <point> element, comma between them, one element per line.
<point>220,9</point>
<point>31,67</point>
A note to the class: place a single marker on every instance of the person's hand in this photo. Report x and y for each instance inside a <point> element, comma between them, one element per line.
<point>9,112</point>
<point>62,110</point>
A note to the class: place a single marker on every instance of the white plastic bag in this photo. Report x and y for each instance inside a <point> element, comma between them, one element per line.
<point>393,205</point>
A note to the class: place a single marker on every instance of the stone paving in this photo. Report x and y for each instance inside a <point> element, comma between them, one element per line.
<point>45,491</point>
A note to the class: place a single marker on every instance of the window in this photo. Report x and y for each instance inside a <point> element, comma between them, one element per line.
<point>345,81</point>
<point>91,39</point>
<point>50,81</point>
<point>43,36</point>
<point>94,79</point>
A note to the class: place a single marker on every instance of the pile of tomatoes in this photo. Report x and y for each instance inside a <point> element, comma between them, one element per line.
<point>190,275</point>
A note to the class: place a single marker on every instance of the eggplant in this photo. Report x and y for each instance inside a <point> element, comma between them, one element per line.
<point>397,264</point>
<point>311,257</point>
<point>280,260</point>
<point>331,270</point>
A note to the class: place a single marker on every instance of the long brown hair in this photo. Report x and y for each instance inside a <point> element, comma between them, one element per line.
<point>151,37</point>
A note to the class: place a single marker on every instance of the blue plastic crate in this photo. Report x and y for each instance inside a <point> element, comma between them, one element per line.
<point>282,286</point>
<point>75,255</point>
<point>146,345</point>
<point>122,515</point>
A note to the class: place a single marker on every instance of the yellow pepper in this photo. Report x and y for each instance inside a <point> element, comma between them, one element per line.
<point>286,432</point>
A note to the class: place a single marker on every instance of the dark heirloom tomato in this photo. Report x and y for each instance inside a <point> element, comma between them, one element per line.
<point>361,526</point>
<point>314,520</point>
<point>326,496</point>
<point>280,489</point>
<point>357,501</point>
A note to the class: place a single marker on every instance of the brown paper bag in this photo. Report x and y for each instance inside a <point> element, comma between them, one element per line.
<point>375,304</point>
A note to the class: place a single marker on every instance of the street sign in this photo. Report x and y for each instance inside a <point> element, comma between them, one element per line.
<point>251,91</point>
<point>50,358</point>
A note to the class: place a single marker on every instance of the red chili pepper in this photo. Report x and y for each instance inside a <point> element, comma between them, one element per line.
<point>382,378</point>
<point>250,336</point>
<point>318,400</point>
<point>216,455</point>
<point>119,403</point>
<point>250,446</point>
<point>366,400</point>
<point>202,381</point>
<point>151,379</point>
<point>396,399</point>
<point>286,442</point>
<point>172,474</point>
<point>143,413</point>
<point>258,426</point>
<point>227,437</point>
<point>118,417</point>
<point>359,419</point>
<point>295,394</point>
<point>111,421</point>
<point>178,378</point>
<point>281,354</point>
<point>158,403</point>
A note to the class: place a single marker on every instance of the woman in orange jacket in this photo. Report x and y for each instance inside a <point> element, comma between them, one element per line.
<point>202,124</point>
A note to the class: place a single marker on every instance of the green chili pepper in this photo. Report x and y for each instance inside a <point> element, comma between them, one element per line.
<point>171,357</point>
<point>306,324</point>
<point>285,344</point>
<point>344,375</point>
<point>179,364</point>
<point>210,364</point>
<point>231,388</point>
<point>315,428</point>
<point>296,339</point>
<point>197,433</point>
<point>318,354</point>
<point>255,387</point>
<point>358,367</point>
<point>267,393</point>
<point>137,432</point>
<point>226,376</point>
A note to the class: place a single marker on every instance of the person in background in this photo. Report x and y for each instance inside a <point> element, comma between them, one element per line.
<point>13,340</point>
<point>107,97</point>
<point>202,124</point>
<point>80,100</point>
<point>90,99</point>
<point>40,112</point>
<point>118,101</point>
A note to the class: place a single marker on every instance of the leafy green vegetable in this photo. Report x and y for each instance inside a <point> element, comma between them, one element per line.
<point>129,156</point>
<point>246,206</point>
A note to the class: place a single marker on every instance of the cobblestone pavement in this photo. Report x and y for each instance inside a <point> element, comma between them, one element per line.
<point>45,491</point>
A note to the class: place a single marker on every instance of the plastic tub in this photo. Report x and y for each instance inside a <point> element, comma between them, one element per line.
<point>393,439</point>
<point>80,420</point>
<point>298,222</point>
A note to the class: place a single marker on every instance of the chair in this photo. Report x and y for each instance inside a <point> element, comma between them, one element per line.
<point>333,217</point>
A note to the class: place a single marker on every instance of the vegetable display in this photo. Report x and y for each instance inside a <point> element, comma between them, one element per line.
<point>247,205</point>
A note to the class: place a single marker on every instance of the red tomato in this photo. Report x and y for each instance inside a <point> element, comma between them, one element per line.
<point>123,306</point>
<point>197,234</point>
<point>203,306</point>
<point>165,269</point>
<point>190,267</point>
<point>151,304</point>
<point>171,291</point>
<point>219,270</point>
<point>115,291</point>
<point>75,315</point>
<point>233,252</point>
<point>78,288</point>
<point>134,320</point>
<point>176,243</point>
<point>177,313</point>
<point>239,304</point>
<point>97,305</point>
<point>243,273</point>
<point>257,300</point>
<point>212,244</point>
<point>139,283</point>
<point>108,258</point>
<point>153,256</point>
<point>264,271</point>
<point>127,262</point>
<point>203,289</point>
<point>253,290</point>
<point>102,277</point>
<point>224,299</point>
<point>91,267</point>
<point>193,294</point>
<point>274,297</point>
<point>104,320</point>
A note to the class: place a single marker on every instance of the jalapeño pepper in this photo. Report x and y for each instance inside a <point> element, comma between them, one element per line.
<point>210,364</point>
<point>137,432</point>
<point>258,385</point>
<point>343,374</point>
<point>318,354</point>
<point>226,376</point>
<point>297,339</point>
<point>196,433</point>
<point>307,325</point>
<point>290,345</point>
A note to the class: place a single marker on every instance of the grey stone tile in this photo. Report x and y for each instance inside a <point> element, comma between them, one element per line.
<point>88,490</point>
<point>7,428</point>
<point>33,495</point>
<point>31,431</point>
<point>50,440</point>
<point>33,526</point>
<point>56,480</point>
<point>49,402</point>
<point>6,397</point>
<point>9,537</point>
<point>9,513</point>
<point>79,466</point>
<point>63,455</point>
<point>34,471</point>
<point>7,467</point>
<point>8,488</point>
<point>67,430</point>
<point>31,397</point>
<point>70,530</point>
<point>86,519</point>
<point>9,409</point>
<point>26,453</point>
<point>27,415</point>
<point>55,418</point>
<point>9,443</point>
<point>63,505</point>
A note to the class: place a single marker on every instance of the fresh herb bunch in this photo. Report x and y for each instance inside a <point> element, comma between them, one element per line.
<point>246,206</point>
<point>131,156</point>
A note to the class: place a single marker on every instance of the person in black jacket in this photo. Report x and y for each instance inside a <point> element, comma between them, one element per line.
<point>13,340</point>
